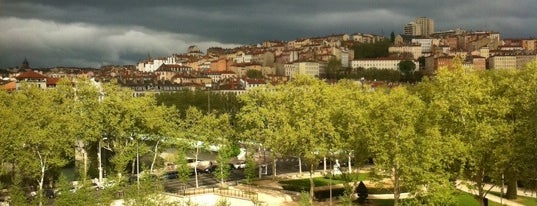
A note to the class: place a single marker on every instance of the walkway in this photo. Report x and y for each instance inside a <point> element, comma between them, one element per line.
<point>463,186</point>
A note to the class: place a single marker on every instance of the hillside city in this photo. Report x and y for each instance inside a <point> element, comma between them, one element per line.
<point>424,117</point>
<point>225,70</point>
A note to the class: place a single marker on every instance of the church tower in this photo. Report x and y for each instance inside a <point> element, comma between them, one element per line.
<point>25,64</point>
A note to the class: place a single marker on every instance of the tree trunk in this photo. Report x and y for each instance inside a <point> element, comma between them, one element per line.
<point>222,177</point>
<point>511,184</point>
<point>274,167</point>
<point>479,184</point>
<point>42,162</point>
<point>154,157</point>
<point>312,184</point>
<point>396,188</point>
<point>196,167</point>
<point>300,166</point>
<point>349,164</point>
<point>133,167</point>
<point>324,165</point>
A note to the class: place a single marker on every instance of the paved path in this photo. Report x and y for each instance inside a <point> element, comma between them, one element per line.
<point>463,186</point>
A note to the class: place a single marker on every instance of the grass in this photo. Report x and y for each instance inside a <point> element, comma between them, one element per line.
<point>317,181</point>
<point>528,201</point>
<point>462,199</point>
<point>469,200</point>
<point>304,184</point>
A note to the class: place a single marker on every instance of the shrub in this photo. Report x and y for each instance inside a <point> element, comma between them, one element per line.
<point>362,192</point>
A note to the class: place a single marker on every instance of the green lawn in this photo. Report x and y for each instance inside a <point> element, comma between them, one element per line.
<point>463,199</point>
<point>325,181</point>
<point>304,184</point>
<point>469,200</point>
<point>528,201</point>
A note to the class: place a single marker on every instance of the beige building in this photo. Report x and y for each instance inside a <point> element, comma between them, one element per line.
<point>510,61</point>
<point>314,69</point>
<point>422,26</point>
<point>414,49</point>
<point>426,25</point>
<point>502,62</point>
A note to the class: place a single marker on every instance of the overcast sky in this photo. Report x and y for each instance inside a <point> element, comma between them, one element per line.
<point>101,32</point>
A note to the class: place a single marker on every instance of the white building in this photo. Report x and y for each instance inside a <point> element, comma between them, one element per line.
<point>242,57</point>
<point>388,63</point>
<point>426,44</point>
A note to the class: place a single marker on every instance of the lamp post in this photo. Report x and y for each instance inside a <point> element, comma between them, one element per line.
<point>99,157</point>
<point>99,154</point>
<point>362,82</point>
<point>137,166</point>
<point>501,193</point>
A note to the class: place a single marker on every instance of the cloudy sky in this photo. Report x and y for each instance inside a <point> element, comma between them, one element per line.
<point>100,32</point>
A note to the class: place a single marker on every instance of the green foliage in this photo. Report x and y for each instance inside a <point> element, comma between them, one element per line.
<point>362,192</point>
<point>202,100</point>
<point>372,50</point>
<point>305,199</point>
<point>373,74</point>
<point>346,198</point>
<point>183,170</point>
<point>254,74</point>
<point>333,68</point>
<point>406,67</point>
<point>223,169</point>
<point>250,170</point>
<point>222,202</point>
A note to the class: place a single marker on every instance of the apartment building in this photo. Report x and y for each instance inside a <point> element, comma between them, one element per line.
<point>381,63</point>
<point>414,49</point>
<point>422,26</point>
<point>314,69</point>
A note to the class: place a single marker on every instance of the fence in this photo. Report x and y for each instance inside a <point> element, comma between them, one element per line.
<point>222,192</point>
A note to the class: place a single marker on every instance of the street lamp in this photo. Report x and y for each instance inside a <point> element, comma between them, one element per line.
<point>99,154</point>
<point>362,82</point>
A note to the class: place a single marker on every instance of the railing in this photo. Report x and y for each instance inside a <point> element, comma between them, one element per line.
<point>222,192</point>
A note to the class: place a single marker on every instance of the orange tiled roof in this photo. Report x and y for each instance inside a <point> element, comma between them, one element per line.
<point>52,81</point>
<point>30,75</point>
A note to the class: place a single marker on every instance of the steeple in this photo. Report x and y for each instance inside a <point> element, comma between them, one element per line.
<point>25,64</point>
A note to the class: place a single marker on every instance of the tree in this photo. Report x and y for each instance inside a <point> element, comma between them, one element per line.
<point>254,74</point>
<point>371,50</point>
<point>471,120</point>
<point>333,68</point>
<point>304,115</point>
<point>395,138</point>
<point>392,37</point>
<point>46,131</point>
<point>406,67</point>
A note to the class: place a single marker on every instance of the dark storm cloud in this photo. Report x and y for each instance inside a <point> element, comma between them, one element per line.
<point>117,31</point>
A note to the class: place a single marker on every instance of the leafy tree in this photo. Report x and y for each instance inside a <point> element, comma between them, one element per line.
<point>46,131</point>
<point>202,100</point>
<point>182,168</point>
<point>406,67</point>
<point>392,37</point>
<point>471,120</point>
<point>305,117</point>
<point>254,74</point>
<point>224,155</point>
<point>372,50</point>
<point>333,68</point>
<point>403,146</point>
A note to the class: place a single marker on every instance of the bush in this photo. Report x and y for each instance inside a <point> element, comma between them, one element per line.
<point>362,192</point>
